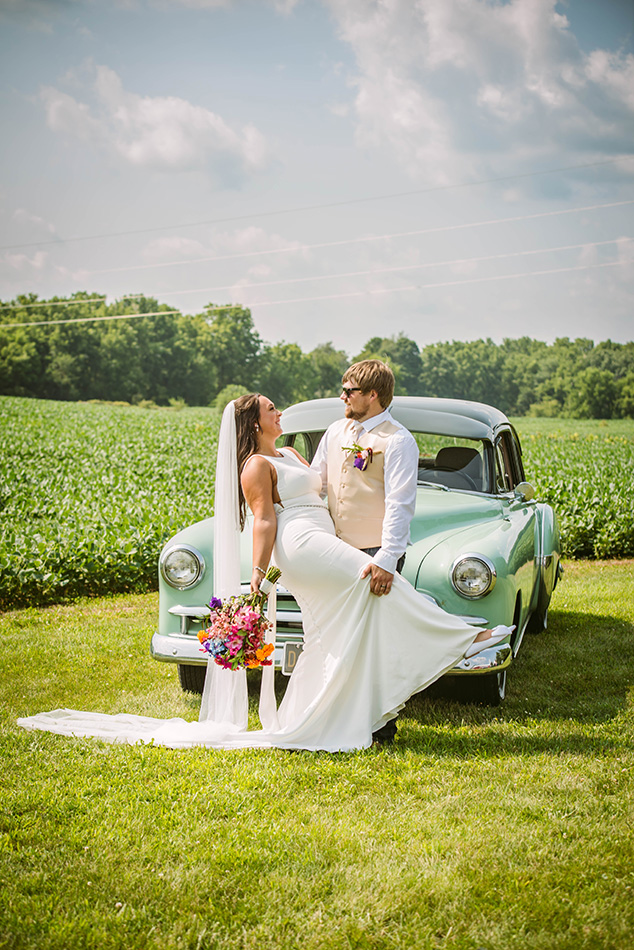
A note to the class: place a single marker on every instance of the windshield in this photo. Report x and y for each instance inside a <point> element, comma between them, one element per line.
<point>443,459</point>
<point>452,462</point>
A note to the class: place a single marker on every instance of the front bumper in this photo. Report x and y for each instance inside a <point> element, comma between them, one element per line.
<point>184,646</point>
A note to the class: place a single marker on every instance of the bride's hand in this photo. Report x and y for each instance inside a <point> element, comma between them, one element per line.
<point>256,580</point>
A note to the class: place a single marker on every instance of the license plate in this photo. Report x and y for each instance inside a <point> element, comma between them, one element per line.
<point>292,653</point>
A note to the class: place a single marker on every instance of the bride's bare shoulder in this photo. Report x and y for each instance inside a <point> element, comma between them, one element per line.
<point>254,467</point>
<point>289,448</point>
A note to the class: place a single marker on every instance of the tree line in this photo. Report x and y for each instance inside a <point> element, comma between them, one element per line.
<point>210,357</point>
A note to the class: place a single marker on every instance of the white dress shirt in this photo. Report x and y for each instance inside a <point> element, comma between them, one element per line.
<point>400,473</point>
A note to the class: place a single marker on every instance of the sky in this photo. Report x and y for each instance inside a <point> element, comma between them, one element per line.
<point>445,169</point>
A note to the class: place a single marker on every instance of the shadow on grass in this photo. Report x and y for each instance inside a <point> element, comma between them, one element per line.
<point>576,675</point>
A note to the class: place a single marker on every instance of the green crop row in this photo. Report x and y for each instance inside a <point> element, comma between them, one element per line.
<point>585,470</point>
<point>90,492</point>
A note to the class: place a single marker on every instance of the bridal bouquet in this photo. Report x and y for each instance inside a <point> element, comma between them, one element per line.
<point>236,633</point>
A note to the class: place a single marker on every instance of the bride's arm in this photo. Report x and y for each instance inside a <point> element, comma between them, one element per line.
<point>257,485</point>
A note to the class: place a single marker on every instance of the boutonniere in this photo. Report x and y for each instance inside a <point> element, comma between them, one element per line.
<point>362,456</point>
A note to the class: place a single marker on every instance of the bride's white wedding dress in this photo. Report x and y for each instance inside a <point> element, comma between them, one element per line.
<point>363,657</point>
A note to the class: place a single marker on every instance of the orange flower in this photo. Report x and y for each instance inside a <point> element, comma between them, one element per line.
<point>264,651</point>
<point>202,635</point>
<point>252,664</point>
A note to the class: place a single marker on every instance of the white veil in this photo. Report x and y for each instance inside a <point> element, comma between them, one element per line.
<point>224,708</point>
<point>225,693</point>
<point>225,698</point>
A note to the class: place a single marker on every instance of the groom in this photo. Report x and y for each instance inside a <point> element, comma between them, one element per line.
<point>368,463</point>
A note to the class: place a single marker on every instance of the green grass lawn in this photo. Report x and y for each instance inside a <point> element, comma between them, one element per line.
<point>480,828</point>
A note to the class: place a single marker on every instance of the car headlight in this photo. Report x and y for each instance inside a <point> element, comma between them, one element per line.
<point>473,575</point>
<point>182,566</point>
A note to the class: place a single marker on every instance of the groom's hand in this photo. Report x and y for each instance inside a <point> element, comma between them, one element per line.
<point>381,581</point>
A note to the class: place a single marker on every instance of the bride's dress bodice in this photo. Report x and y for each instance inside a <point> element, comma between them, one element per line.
<point>297,485</point>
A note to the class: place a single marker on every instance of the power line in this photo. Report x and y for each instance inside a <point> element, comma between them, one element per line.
<point>387,270</point>
<point>117,316</point>
<point>357,293</point>
<point>448,283</point>
<point>317,207</point>
<point>303,280</point>
<point>360,240</point>
<point>64,303</point>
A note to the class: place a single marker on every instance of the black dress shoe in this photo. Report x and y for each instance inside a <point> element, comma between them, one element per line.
<point>385,735</point>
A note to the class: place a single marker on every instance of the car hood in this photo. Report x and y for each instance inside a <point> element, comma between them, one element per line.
<point>443,514</point>
<point>440,515</point>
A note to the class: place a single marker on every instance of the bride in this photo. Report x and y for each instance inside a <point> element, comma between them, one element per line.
<point>364,655</point>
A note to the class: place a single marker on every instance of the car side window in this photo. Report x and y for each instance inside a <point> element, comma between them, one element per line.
<point>301,443</point>
<point>508,463</point>
<point>305,442</point>
<point>501,474</point>
<point>517,456</point>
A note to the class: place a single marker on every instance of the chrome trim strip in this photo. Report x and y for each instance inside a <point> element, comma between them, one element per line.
<point>495,658</point>
<point>196,612</point>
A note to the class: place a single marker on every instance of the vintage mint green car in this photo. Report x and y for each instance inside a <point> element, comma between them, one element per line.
<point>482,547</point>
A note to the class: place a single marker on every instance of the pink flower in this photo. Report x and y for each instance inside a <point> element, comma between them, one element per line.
<point>234,644</point>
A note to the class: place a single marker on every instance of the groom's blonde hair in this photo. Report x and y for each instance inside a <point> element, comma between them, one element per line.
<point>372,374</point>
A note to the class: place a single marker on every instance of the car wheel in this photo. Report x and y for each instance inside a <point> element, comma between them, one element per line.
<point>488,690</point>
<point>539,617</point>
<point>192,678</point>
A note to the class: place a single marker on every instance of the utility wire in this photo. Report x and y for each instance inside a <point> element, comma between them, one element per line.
<point>357,293</point>
<point>360,240</point>
<point>116,316</point>
<point>381,270</point>
<point>451,227</point>
<point>317,207</point>
<point>303,280</point>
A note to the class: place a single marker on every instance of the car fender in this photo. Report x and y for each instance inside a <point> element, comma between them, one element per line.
<point>499,542</point>
<point>548,548</point>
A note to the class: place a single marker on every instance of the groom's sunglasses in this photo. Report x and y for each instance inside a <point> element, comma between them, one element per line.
<point>348,390</point>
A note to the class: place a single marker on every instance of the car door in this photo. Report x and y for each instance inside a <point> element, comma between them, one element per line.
<point>522,516</point>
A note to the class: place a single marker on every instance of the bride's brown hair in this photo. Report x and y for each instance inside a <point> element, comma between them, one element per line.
<point>247,409</point>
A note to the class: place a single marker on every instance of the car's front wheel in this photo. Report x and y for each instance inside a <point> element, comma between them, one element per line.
<point>488,690</point>
<point>192,678</point>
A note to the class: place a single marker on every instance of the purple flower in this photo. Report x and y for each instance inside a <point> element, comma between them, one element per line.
<point>215,603</point>
<point>215,647</point>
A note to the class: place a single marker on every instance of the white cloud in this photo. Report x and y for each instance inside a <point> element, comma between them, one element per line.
<point>250,240</point>
<point>625,254</point>
<point>170,248</point>
<point>195,4</point>
<point>340,109</point>
<point>24,263</point>
<point>243,256</point>
<point>614,72</point>
<point>161,132</point>
<point>284,7</point>
<point>450,85</point>
<point>22,216</point>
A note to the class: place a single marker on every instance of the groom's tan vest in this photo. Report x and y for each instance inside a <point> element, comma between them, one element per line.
<point>357,499</point>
